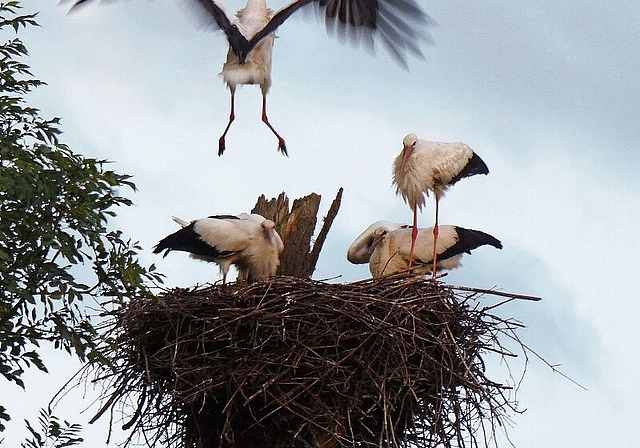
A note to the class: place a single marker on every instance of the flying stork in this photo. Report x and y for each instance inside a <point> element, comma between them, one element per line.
<point>247,241</point>
<point>391,249</point>
<point>425,166</point>
<point>362,247</point>
<point>398,25</point>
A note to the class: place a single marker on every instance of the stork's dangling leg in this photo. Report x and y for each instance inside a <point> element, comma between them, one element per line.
<point>435,241</point>
<point>414,235</point>
<point>281,145</point>
<point>232,116</point>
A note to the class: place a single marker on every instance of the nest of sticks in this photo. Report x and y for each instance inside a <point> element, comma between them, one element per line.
<point>292,362</point>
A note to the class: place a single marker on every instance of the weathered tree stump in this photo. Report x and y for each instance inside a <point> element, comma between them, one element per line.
<point>296,228</point>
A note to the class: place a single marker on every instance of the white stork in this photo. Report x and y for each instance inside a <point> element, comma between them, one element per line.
<point>425,166</point>
<point>362,247</point>
<point>248,242</point>
<point>398,25</point>
<point>391,249</point>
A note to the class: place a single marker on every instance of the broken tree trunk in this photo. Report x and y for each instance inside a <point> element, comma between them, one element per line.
<point>296,228</point>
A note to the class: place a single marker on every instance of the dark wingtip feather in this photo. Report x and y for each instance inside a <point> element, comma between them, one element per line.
<point>75,5</point>
<point>186,239</point>
<point>397,25</point>
<point>468,240</point>
<point>471,239</point>
<point>474,166</point>
<point>160,247</point>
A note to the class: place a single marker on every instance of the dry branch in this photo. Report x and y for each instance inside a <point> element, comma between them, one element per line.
<point>293,362</point>
<point>296,228</point>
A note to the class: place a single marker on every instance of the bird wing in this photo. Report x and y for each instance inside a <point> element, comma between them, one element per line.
<point>399,25</point>
<point>189,239</point>
<point>400,244</point>
<point>469,239</point>
<point>227,236</point>
<point>452,241</point>
<point>423,252</point>
<point>278,19</point>
<point>218,18</point>
<point>447,160</point>
<point>224,217</point>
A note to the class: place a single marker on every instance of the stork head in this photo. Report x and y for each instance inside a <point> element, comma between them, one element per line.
<point>362,247</point>
<point>409,143</point>
<point>273,237</point>
<point>378,235</point>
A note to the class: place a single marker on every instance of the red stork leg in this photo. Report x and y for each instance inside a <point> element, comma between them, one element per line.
<point>435,242</point>
<point>414,235</point>
<point>281,145</point>
<point>232,116</point>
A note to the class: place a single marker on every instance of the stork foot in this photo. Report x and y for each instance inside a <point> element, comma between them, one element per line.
<point>221,146</point>
<point>282,147</point>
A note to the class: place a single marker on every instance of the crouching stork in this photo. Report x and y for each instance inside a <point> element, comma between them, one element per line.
<point>247,241</point>
<point>392,249</point>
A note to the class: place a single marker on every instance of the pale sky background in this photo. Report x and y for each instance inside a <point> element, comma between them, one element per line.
<point>547,93</point>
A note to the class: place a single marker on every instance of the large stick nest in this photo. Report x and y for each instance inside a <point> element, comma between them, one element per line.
<point>294,362</point>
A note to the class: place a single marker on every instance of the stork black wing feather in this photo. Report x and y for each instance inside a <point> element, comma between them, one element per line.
<point>237,41</point>
<point>277,20</point>
<point>399,25</point>
<point>474,166</point>
<point>188,240</point>
<point>469,239</point>
<point>224,217</point>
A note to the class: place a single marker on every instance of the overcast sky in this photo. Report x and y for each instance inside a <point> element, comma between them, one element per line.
<point>548,94</point>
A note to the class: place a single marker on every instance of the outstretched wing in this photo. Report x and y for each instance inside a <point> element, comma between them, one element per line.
<point>399,25</point>
<point>219,18</point>
<point>212,14</point>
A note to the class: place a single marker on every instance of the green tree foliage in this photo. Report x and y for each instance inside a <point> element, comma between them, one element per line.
<point>52,433</point>
<point>56,250</point>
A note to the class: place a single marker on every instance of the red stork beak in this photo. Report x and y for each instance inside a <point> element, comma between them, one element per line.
<point>405,156</point>
<point>376,240</point>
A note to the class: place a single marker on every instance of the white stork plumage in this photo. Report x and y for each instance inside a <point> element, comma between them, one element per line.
<point>391,249</point>
<point>425,166</point>
<point>399,25</point>
<point>362,247</point>
<point>247,241</point>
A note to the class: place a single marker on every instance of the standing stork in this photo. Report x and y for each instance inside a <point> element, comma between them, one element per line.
<point>398,25</point>
<point>425,166</point>
<point>249,242</point>
<point>392,249</point>
<point>362,247</point>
